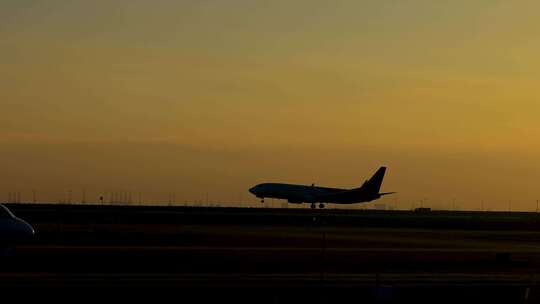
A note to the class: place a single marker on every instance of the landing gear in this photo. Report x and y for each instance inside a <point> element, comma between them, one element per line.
<point>262,200</point>
<point>321,205</point>
<point>313,206</point>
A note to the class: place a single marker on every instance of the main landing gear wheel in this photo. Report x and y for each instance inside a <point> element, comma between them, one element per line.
<point>313,206</point>
<point>262,201</point>
<point>321,206</point>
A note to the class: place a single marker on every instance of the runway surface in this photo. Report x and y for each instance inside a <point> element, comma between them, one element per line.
<point>209,255</point>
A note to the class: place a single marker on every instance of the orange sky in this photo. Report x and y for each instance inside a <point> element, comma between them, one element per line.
<point>190,97</point>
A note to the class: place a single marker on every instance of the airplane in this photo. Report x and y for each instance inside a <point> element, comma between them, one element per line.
<point>13,230</point>
<point>298,194</point>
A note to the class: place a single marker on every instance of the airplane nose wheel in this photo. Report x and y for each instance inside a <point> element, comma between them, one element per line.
<point>321,206</point>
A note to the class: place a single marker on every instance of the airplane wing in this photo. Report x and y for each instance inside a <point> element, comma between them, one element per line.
<point>336,195</point>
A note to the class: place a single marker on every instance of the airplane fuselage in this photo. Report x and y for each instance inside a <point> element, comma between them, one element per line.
<point>298,194</point>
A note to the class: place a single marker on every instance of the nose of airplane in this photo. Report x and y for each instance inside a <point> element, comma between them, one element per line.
<point>25,229</point>
<point>29,230</point>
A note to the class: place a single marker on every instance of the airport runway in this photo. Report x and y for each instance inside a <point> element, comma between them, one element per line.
<point>285,258</point>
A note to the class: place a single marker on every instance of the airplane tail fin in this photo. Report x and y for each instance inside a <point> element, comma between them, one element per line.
<point>373,185</point>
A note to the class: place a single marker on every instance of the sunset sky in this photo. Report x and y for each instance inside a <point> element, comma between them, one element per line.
<point>209,97</point>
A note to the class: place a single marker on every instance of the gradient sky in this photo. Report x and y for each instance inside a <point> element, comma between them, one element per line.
<point>208,96</point>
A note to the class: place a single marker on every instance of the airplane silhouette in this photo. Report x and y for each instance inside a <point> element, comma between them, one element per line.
<point>298,194</point>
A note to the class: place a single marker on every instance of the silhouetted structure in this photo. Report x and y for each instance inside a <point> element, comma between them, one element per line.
<point>298,194</point>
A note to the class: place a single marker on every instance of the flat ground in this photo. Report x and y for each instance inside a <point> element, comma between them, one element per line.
<point>278,256</point>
